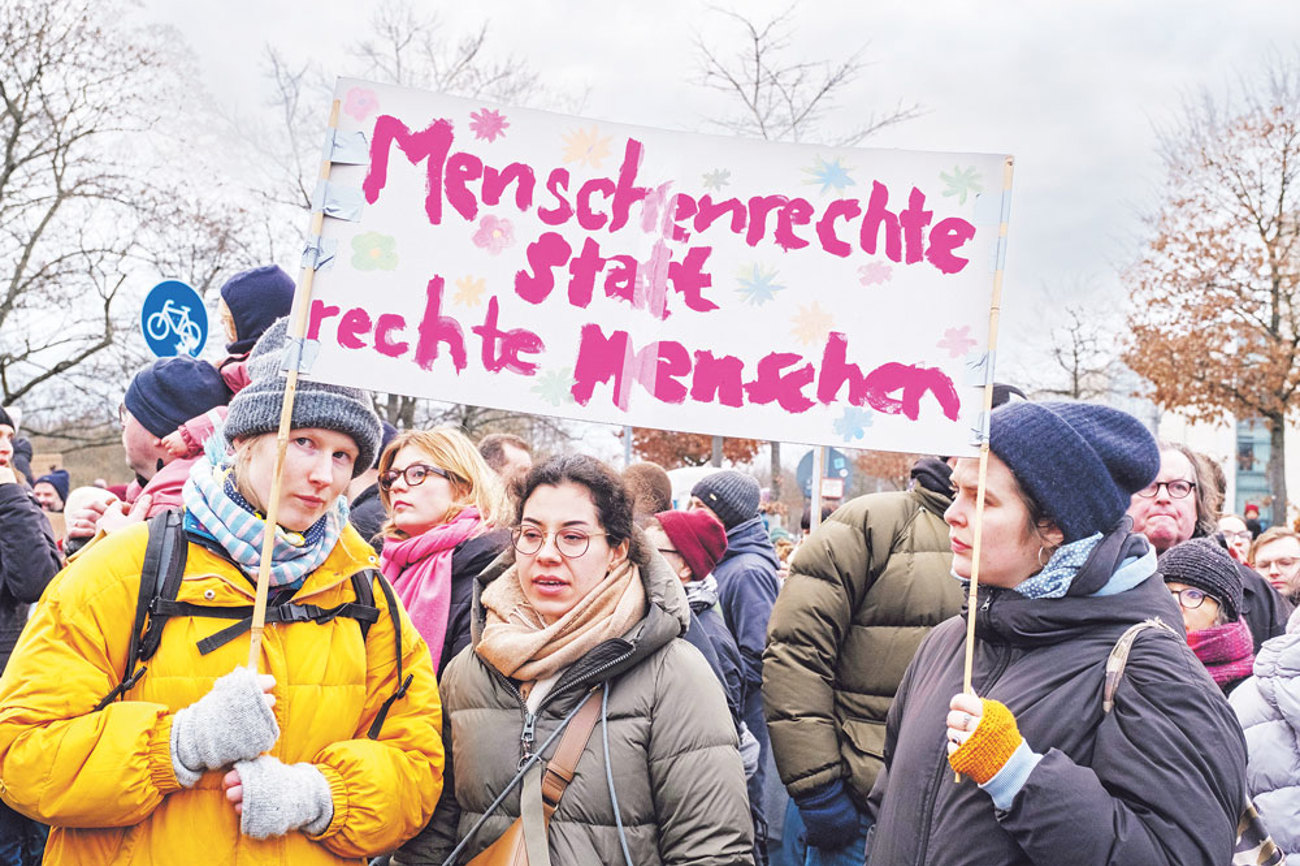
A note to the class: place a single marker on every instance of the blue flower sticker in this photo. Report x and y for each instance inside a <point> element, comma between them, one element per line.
<point>853,423</point>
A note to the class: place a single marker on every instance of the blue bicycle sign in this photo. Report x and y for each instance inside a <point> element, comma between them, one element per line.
<point>174,320</point>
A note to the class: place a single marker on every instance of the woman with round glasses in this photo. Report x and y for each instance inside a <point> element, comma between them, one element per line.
<point>582,609</point>
<point>1048,773</point>
<point>444,509</point>
<point>1203,578</point>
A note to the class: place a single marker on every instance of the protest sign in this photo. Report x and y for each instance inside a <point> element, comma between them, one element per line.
<point>567,266</point>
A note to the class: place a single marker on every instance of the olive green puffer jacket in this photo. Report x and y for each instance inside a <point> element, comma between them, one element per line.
<point>863,591</point>
<point>672,746</point>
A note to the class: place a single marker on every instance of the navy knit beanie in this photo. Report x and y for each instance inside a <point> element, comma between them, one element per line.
<point>732,495</point>
<point>6,420</point>
<point>59,480</point>
<point>171,391</point>
<point>1202,563</point>
<point>1080,462</point>
<point>256,299</point>
<point>256,409</point>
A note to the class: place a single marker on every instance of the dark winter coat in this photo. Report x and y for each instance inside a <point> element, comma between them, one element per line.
<point>725,661</point>
<point>367,514</point>
<point>672,747</point>
<point>863,592</point>
<point>468,560</point>
<point>1159,780</point>
<point>28,559</point>
<point>747,589</point>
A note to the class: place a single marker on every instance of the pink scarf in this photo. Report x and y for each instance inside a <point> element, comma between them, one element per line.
<point>420,570</point>
<point>1227,651</point>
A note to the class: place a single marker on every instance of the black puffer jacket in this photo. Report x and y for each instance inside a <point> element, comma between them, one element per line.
<point>1159,780</point>
<point>468,560</point>
<point>28,559</point>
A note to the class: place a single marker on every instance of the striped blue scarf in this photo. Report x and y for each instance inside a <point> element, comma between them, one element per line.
<point>213,502</point>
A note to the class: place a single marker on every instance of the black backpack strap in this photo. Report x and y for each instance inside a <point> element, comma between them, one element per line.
<point>164,564</point>
<point>365,593</point>
<point>404,684</point>
<point>283,613</point>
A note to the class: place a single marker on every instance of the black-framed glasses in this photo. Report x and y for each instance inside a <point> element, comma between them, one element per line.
<point>1177,489</point>
<point>414,475</point>
<point>1189,597</point>
<point>571,542</point>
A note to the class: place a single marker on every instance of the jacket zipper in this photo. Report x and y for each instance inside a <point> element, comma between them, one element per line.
<point>998,669</point>
<point>528,733</point>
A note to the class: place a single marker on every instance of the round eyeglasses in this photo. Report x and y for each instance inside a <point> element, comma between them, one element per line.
<point>414,475</point>
<point>1177,489</point>
<point>570,543</point>
<point>1189,597</point>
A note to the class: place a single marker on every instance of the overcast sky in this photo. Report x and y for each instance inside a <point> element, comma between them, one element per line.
<point>1071,89</point>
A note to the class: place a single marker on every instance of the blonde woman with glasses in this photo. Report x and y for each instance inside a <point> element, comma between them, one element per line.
<point>444,509</point>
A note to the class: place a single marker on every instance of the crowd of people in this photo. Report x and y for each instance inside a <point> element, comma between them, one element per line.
<point>476,655</point>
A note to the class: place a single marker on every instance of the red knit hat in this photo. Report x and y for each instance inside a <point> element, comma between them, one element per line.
<point>698,536</point>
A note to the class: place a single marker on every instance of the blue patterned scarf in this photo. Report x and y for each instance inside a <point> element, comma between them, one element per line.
<point>214,503</point>
<point>1055,578</point>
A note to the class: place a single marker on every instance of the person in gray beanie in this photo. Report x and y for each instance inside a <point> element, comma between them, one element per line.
<point>747,590</point>
<point>1048,773</point>
<point>256,409</point>
<point>333,750</point>
<point>1203,577</point>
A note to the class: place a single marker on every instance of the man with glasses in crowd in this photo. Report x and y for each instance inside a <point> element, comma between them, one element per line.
<point>1277,558</point>
<point>1176,507</point>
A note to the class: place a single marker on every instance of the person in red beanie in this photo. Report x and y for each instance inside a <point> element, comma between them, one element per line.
<point>692,542</point>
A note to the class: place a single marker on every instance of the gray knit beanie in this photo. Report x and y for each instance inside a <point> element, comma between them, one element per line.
<point>731,495</point>
<point>256,409</point>
<point>1202,563</point>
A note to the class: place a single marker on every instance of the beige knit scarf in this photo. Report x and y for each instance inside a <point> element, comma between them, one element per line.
<point>517,642</point>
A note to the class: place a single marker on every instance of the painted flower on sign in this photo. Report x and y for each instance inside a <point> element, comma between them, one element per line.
<point>487,124</point>
<point>494,234</point>
<point>372,251</point>
<point>811,324</point>
<point>555,387</point>
<point>758,284</point>
<point>360,102</point>
<point>586,147</point>
<point>957,341</point>
<point>961,183</point>
<point>716,179</point>
<point>853,423</point>
<point>875,273</point>
<point>469,291</point>
<point>831,175</point>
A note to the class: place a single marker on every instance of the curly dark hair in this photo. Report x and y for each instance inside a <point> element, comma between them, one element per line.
<point>613,504</point>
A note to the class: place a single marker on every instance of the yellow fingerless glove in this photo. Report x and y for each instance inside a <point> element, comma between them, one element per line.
<point>990,745</point>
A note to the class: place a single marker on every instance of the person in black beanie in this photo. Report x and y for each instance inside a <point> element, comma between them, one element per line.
<point>160,398</point>
<point>51,490</point>
<point>1203,577</point>
<point>250,303</point>
<point>1050,774</point>
<point>747,589</point>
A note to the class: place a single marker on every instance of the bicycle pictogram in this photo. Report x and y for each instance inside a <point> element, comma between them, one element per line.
<point>174,320</point>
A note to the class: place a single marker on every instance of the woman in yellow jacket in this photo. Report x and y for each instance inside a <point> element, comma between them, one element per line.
<point>201,760</point>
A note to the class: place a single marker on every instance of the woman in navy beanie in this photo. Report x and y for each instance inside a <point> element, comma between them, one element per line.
<point>1048,775</point>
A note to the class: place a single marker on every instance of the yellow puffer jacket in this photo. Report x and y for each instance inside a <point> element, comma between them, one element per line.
<point>104,780</point>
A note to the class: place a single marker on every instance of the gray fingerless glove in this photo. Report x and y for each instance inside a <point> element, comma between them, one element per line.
<point>230,723</point>
<point>280,797</point>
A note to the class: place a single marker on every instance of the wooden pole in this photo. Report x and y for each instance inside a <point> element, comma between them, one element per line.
<point>995,311</point>
<point>298,330</point>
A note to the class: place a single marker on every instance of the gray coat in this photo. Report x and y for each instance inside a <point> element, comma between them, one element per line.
<point>1268,706</point>
<point>672,746</point>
